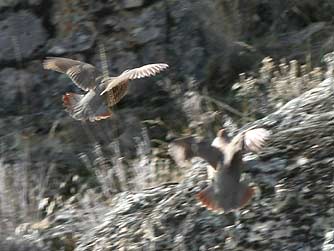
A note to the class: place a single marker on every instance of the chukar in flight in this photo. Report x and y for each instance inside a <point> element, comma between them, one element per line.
<point>226,192</point>
<point>101,92</point>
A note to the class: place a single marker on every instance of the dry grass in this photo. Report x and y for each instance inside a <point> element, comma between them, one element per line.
<point>275,84</point>
<point>21,193</point>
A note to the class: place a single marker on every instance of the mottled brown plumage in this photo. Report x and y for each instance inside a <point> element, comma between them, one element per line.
<point>226,192</point>
<point>117,93</point>
<point>102,92</point>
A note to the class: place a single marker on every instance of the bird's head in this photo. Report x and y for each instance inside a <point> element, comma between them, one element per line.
<point>222,140</point>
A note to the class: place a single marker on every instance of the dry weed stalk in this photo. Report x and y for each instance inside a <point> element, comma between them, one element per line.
<point>275,85</point>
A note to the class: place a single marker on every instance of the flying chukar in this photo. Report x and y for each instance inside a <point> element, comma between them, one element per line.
<point>101,92</point>
<point>226,192</point>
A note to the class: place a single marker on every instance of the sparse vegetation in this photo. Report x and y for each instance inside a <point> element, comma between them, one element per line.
<point>275,84</point>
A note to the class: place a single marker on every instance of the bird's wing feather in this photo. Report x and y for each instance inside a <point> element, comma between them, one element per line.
<point>144,71</point>
<point>180,150</point>
<point>86,107</point>
<point>82,74</point>
<point>255,139</point>
<point>186,148</point>
<point>141,72</point>
<point>252,139</point>
<point>247,140</point>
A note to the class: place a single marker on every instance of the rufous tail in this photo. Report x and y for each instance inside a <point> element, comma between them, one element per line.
<point>71,100</point>
<point>245,196</point>
<point>206,197</point>
<point>209,199</point>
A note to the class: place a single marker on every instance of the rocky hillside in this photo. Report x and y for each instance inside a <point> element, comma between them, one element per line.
<point>293,208</point>
<point>55,171</point>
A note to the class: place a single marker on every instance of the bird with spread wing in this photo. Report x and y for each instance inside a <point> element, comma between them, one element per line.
<point>101,92</point>
<point>226,192</point>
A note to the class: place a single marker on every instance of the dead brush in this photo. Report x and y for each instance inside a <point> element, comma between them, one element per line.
<point>275,84</point>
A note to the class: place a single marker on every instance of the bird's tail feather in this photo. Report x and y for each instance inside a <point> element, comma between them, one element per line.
<point>76,110</point>
<point>71,100</point>
<point>210,200</point>
<point>245,194</point>
<point>206,197</point>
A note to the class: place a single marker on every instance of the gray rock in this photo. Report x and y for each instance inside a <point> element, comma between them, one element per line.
<point>22,34</point>
<point>13,3</point>
<point>143,35</point>
<point>129,4</point>
<point>80,40</point>
<point>18,244</point>
<point>18,86</point>
<point>270,166</point>
<point>193,105</point>
<point>329,242</point>
<point>8,3</point>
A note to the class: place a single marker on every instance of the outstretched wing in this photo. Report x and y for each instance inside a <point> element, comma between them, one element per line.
<point>141,72</point>
<point>255,139</point>
<point>180,150</point>
<point>250,140</point>
<point>82,74</point>
<point>184,149</point>
<point>144,71</point>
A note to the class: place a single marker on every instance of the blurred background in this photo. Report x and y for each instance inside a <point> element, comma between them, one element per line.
<point>231,62</point>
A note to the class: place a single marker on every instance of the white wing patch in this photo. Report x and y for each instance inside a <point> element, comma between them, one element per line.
<point>136,73</point>
<point>255,139</point>
<point>144,71</point>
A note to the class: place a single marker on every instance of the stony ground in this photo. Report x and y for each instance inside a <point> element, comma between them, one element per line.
<point>292,210</point>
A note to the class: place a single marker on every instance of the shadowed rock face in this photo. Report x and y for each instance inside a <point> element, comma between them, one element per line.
<point>17,244</point>
<point>22,34</point>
